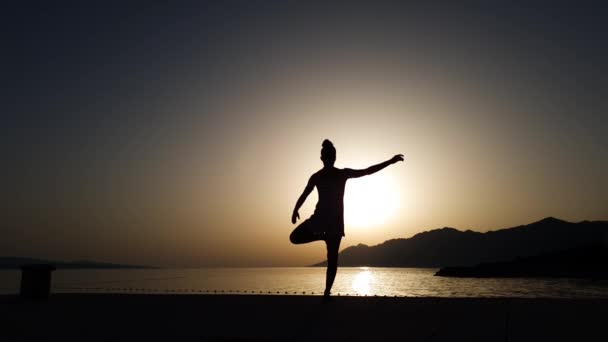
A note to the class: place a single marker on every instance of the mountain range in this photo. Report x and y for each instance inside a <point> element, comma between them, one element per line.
<point>588,261</point>
<point>452,247</point>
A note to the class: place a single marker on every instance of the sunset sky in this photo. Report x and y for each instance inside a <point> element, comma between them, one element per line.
<point>182,133</point>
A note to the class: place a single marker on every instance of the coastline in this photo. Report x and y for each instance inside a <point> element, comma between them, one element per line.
<point>72,317</point>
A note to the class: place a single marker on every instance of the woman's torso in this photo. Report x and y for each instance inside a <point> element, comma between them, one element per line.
<point>330,185</point>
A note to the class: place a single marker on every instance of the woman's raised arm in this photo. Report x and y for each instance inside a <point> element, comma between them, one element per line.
<point>350,173</point>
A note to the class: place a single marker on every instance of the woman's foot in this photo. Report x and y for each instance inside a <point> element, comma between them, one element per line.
<point>326,297</point>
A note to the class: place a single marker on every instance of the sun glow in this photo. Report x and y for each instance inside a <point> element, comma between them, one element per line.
<point>362,282</point>
<point>370,201</point>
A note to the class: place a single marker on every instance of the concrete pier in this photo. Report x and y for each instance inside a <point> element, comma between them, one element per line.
<point>112,317</point>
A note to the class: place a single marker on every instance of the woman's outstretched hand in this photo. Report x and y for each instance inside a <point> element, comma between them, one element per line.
<point>397,158</point>
<point>295,216</point>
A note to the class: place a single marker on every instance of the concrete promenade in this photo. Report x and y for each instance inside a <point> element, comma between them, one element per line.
<point>126,317</point>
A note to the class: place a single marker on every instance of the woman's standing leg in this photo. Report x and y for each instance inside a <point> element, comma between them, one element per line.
<point>333,245</point>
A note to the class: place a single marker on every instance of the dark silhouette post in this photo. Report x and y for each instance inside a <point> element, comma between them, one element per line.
<point>327,222</point>
<point>36,281</point>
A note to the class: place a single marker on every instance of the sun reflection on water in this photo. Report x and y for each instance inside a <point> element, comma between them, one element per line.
<point>362,282</point>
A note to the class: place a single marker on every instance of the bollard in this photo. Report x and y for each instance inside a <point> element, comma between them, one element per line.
<point>36,281</point>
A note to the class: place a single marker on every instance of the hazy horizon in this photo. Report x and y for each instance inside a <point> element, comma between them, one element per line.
<point>203,265</point>
<point>183,134</point>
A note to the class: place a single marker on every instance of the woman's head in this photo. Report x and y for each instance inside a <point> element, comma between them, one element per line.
<point>328,153</point>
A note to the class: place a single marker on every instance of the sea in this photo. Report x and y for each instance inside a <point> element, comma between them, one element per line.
<point>350,281</point>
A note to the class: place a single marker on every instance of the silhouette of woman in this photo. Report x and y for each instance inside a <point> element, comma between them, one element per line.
<point>327,222</point>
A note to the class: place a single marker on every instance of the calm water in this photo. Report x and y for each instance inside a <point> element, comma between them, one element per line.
<point>362,281</point>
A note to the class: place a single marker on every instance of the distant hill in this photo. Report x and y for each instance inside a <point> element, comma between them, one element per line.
<point>452,247</point>
<point>16,263</point>
<point>589,261</point>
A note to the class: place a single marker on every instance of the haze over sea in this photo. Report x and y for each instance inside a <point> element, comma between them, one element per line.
<point>356,281</point>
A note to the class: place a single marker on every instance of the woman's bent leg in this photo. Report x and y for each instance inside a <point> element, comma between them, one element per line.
<point>306,232</point>
<point>333,245</point>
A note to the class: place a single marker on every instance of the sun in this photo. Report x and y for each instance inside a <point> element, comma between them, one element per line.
<point>370,201</point>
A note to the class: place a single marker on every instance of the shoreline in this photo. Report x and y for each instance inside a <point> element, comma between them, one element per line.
<point>246,317</point>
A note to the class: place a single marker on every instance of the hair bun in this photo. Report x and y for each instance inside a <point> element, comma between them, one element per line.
<point>327,144</point>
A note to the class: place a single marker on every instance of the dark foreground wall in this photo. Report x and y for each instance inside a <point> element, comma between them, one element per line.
<point>108,317</point>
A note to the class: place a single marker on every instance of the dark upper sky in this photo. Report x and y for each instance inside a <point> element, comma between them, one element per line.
<point>107,105</point>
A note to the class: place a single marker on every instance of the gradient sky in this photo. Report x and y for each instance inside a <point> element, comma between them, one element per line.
<point>182,133</point>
